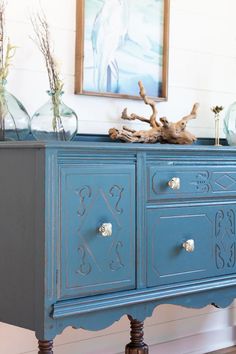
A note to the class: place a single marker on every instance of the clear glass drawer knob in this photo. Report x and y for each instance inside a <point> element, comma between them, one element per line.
<point>174,183</point>
<point>105,230</point>
<point>189,245</point>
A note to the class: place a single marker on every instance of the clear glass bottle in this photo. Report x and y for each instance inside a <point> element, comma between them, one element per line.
<point>14,119</point>
<point>54,120</point>
<point>230,124</point>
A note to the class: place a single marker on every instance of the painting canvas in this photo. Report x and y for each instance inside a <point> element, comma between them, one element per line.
<point>123,41</point>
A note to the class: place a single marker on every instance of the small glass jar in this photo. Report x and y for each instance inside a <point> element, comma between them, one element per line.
<point>230,124</point>
<point>14,119</point>
<point>54,120</point>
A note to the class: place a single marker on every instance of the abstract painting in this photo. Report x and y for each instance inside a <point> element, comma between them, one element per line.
<point>120,42</point>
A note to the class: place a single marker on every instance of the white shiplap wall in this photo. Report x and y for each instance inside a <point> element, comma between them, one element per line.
<point>202,69</point>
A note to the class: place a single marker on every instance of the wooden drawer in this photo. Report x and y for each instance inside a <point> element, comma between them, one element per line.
<point>212,228</point>
<point>194,182</point>
<point>91,196</point>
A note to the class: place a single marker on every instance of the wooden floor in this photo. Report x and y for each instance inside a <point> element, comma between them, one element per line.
<point>231,350</point>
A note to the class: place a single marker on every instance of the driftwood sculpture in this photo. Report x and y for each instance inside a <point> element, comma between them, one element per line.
<point>163,131</point>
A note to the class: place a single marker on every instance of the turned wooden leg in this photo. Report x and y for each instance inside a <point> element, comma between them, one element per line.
<point>45,347</point>
<point>136,346</point>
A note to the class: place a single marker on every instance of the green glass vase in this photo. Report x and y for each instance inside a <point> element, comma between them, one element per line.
<point>14,119</point>
<point>54,120</point>
<point>230,124</point>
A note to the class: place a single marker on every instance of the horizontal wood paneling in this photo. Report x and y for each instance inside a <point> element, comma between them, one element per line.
<point>202,63</point>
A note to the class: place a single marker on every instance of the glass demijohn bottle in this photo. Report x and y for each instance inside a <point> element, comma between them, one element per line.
<point>14,119</point>
<point>54,120</point>
<point>230,124</point>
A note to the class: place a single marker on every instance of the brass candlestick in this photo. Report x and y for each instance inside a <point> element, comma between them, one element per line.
<point>216,110</point>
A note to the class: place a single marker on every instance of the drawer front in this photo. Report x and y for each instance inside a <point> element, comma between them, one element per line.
<point>91,262</point>
<point>211,228</point>
<point>192,182</point>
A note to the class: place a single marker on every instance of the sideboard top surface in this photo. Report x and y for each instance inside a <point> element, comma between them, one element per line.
<point>103,142</point>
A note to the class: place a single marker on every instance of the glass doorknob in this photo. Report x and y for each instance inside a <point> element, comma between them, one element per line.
<point>174,183</point>
<point>189,246</point>
<point>105,230</point>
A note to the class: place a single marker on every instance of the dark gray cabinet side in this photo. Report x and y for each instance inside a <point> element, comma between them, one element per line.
<point>21,234</point>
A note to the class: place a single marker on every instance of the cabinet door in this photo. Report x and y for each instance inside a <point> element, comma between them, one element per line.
<point>210,229</point>
<point>92,197</point>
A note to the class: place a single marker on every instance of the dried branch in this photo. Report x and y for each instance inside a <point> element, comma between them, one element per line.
<point>152,120</point>
<point>193,115</point>
<point>2,32</point>
<point>163,132</point>
<point>133,116</point>
<point>150,102</point>
<point>7,51</point>
<point>43,41</point>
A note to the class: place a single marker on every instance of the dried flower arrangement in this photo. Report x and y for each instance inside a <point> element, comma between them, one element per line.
<point>43,41</point>
<point>7,51</point>
<point>64,120</point>
<point>216,110</point>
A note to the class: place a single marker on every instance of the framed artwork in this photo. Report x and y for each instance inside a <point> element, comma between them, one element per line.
<point>120,42</point>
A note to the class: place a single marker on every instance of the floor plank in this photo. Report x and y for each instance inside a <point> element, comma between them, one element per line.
<point>231,350</point>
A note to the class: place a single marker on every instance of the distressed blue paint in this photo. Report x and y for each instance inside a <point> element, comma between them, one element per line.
<point>90,263</point>
<point>213,230</point>
<point>197,181</point>
<point>85,280</point>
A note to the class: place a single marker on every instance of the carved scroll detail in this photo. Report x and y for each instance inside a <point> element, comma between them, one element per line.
<point>83,193</point>
<point>218,222</point>
<point>116,192</point>
<point>85,267</point>
<point>200,182</point>
<point>117,263</point>
<point>220,263</point>
<point>225,247</point>
<point>232,257</point>
<point>231,222</point>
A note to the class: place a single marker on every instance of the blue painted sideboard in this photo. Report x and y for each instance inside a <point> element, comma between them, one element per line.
<point>93,229</point>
